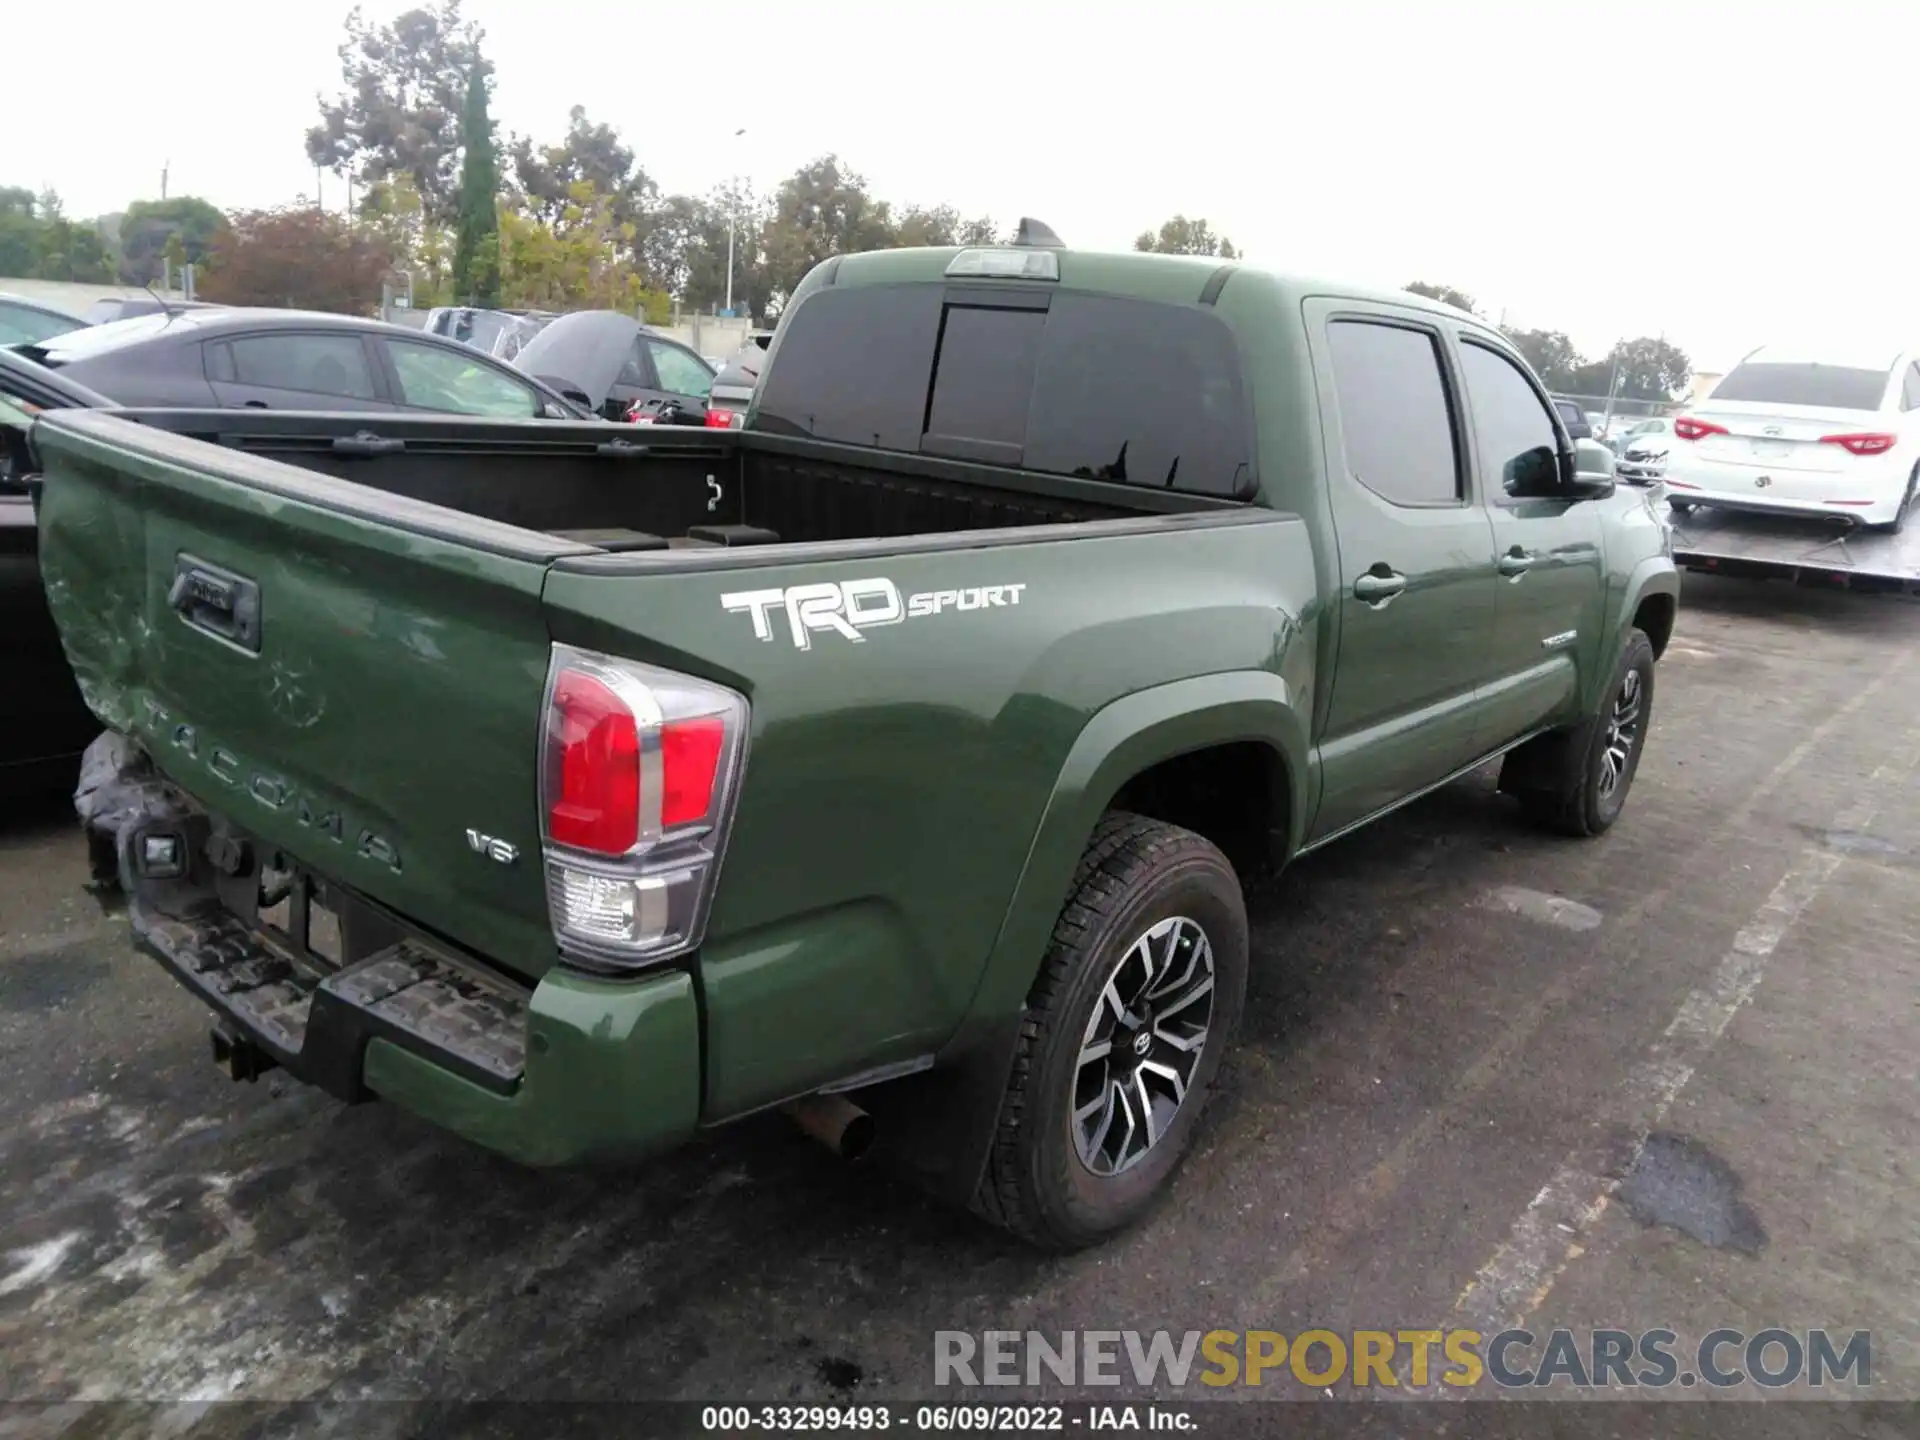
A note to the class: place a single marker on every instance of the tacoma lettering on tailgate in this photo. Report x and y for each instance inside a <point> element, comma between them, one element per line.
<point>186,743</point>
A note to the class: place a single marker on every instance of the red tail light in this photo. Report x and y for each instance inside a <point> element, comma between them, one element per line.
<point>689,766</point>
<point>719,420</point>
<point>594,762</point>
<point>1871,443</point>
<point>1688,428</point>
<point>637,780</point>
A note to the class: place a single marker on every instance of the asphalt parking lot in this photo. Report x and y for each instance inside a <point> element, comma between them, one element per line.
<point>1444,1072</point>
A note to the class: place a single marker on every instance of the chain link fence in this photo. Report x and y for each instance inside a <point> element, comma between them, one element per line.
<point>1612,416</point>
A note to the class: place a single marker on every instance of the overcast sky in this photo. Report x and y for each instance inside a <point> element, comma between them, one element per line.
<point>1689,168</point>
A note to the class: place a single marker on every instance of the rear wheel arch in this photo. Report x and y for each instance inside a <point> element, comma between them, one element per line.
<point>1223,727</point>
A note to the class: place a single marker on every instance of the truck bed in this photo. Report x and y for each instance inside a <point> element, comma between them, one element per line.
<point>1808,551</point>
<point>634,490</point>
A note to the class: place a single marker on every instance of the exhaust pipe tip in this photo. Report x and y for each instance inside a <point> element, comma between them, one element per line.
<point>836,1122</point>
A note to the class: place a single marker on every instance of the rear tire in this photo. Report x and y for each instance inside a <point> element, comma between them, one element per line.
<point>1149,960</point>
<point>1576,780</point>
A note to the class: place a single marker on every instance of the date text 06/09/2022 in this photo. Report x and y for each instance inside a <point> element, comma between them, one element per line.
<point>968,1418</point>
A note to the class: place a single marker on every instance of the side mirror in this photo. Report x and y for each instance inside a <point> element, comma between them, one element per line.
<point>1533,475</point>
<point>1593,471</point>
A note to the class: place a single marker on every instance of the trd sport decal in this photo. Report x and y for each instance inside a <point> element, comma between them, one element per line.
<point>850,606</point>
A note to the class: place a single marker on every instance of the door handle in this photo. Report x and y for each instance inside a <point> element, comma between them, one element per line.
<point>1376,588</point>
<point>365,442</point>
<point>1515,563</point>
<point>253,404</point>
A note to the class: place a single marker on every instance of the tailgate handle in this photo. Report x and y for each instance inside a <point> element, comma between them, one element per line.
<point>218,602</point>
<point>367,443</point>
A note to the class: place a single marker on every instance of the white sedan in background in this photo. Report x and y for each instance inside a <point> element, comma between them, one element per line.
<point>1643,449</point>
<point>1793,432</point>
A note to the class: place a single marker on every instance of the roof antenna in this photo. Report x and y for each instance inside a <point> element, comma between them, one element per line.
<point>1037,234</point>
<point>166,306</point>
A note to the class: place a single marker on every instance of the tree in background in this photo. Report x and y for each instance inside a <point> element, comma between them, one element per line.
<point>822,209</point>
<point>1552,356</point>
<point>148,227</point>
<point>1445,294</point>
<point>394,213</point>
<point>476,251</point>
<point>19,232</point>
<point>1651,368</point>
<point>399,113</point>
<point>1181,236</point>
<point>302,257</point>
<point>39,242</point>
<point>580,260</point>
<point>941,225</point>
<point>544,175</point>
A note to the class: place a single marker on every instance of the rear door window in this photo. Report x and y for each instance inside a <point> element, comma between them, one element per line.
<point>1095,386</point>
<point>314,364</point>
<point>1833,387</point>
<point>1396,423</point>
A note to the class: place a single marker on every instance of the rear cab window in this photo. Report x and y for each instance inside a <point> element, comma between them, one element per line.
<point>1829,387</point>
<point>1072,383</point>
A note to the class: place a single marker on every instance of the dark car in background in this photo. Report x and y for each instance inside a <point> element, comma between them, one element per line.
<point>44,724</point>
<point>204,359</point>
<point>127,307</point>
<point>229,358</point>
<point>613,365</point>
<point>738,378</point>
<point>1574,418</point>
<point>24,321</point>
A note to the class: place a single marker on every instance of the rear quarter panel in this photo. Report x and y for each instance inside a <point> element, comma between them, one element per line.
<point>895,785</point>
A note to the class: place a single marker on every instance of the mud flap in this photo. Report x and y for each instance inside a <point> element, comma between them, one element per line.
<point>937,1127</point>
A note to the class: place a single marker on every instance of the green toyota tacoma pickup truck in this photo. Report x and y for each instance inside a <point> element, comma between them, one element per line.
<point>897,758</point>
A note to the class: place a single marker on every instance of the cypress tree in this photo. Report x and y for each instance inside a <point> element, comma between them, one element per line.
<point>476,251</point>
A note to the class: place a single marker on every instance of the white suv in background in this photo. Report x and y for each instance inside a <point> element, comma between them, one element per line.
<point>1792,432</point>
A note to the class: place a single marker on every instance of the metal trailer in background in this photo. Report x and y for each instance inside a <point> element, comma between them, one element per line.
<point>1803,549</point>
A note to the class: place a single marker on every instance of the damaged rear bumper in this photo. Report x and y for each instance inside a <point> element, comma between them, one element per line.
<point>572,1068</point>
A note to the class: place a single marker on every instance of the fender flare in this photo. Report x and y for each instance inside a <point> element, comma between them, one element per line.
<point>1654,575</point>
<point>1123,739</point>
<point>960,1099</point>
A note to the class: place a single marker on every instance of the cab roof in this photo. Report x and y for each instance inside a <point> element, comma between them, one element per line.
<point>1176,279</point>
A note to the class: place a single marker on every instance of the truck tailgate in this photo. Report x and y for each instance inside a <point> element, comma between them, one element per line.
<point>349,676</point>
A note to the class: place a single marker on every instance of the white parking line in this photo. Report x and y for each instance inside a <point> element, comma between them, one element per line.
<point>1549,1233</point>
<point>1362,1201</point>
